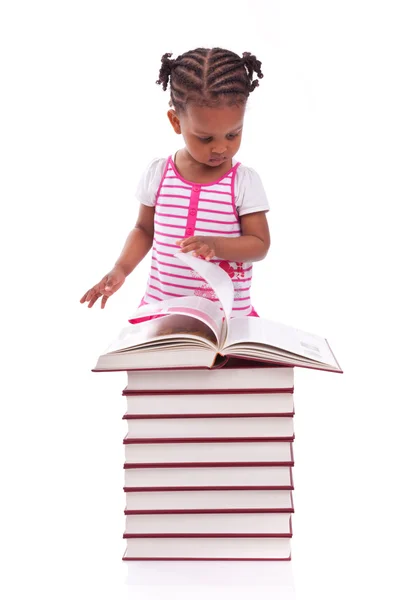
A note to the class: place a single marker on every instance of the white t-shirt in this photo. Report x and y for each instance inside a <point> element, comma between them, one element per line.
<point>250,196</point>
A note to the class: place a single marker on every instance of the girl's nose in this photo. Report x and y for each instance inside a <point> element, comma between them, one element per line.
<point>219,149</point>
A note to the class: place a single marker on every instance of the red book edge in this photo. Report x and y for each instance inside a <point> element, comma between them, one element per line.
<point>129,416</point>
<point>127,536</point>
<point>210,511</point>
<point>205,440</point>
<point>179,558</point>
<point>227,362</point>
<point>152,369</point>
<point>195,392</point>
<point>209,488</point>
<point>245,465</point>
<point>211,440</point>
<point>190,465</point>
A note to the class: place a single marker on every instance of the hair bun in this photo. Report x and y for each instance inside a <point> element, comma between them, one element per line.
<point>166,70</point>
<point>166,59</point>
<point>253,65</point>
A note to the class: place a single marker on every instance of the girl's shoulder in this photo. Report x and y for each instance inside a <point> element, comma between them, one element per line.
<point>156,165</point>
<point>146,191</point>
<point>250,195</point>
<point>154,171</point>
<point>246,173</point>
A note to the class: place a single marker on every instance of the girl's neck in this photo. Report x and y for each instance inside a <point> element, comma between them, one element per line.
<point>191,170</point>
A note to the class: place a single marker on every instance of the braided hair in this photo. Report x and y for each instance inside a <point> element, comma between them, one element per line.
<point>208,76</point>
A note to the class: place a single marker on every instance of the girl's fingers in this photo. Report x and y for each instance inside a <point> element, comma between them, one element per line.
<point>86,297</point>
<point>96,293</point>
<point>190,240</point>
<point>190,248</point>
<point>198,247</point>
<point>204,251</point>
<point>200,251</point>
<point>89,295</point>
<point>102,290</point>
<point>94,299</point>
<point>210,255</point>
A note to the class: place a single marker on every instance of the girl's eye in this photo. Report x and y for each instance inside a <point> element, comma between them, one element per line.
<point>230,136</point>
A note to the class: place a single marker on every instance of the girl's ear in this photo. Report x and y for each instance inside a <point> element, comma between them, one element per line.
<point>174,120</point>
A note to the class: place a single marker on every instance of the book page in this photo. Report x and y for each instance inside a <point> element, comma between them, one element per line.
<point>251,330</point>
<point>193,306</point>
<point>169,330</point>
<point>216,277</point>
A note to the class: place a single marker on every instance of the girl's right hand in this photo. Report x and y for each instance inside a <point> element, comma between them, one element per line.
<point>105,288</point>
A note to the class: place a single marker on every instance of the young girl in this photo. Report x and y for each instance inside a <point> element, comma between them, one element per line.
<point>201,200</point>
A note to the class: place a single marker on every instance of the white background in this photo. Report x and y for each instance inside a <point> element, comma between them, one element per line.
<point>81,117</point>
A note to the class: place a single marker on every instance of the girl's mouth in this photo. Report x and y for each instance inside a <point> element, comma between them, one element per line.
<point>217,161</point>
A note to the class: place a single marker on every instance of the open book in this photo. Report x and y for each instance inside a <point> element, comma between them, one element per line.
<point>191,331</point>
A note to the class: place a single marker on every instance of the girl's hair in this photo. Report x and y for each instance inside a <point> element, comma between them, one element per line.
<point>208,76</point>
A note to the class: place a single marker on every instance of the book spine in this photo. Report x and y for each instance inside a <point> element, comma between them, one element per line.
<point>208,440</point>
<point>128,536</point>
<point>132,417</point>
<point>261,463</point>
<point>211,440</point>
<point>202,392</point>
<point>230,488</point>
<point>185,558</point>
<point>209,511</point>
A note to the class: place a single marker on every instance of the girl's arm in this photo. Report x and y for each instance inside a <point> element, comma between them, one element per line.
<point>251,246</point>
<point>136,247</point>
<point>139,241</point>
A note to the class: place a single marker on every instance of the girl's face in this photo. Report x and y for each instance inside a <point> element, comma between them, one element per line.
<point>212,135</point>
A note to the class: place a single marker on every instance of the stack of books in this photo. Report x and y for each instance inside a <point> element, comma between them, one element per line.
<point>209,448</point>
<point>208,463</point>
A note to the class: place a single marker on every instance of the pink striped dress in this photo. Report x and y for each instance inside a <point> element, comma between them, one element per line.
<point>184,209</point>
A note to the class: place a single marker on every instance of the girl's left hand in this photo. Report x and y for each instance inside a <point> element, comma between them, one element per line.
<point>199,245</point>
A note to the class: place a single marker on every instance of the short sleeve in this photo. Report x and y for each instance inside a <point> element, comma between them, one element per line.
<point>250,196</point>
<point>146,191</point>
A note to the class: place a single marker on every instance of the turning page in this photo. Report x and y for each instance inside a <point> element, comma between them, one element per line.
<point>168,330</point>
<point>190,306</point>
<point>216,278</point>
